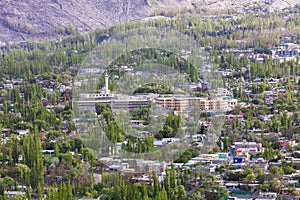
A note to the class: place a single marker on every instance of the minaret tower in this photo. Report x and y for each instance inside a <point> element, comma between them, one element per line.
<point>106,83</point>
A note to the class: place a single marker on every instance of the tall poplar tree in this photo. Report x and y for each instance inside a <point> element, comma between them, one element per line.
<point>33,158</point>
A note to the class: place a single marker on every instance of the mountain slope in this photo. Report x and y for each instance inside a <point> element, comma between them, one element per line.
<point>41,17</point>
<point>21,20</point>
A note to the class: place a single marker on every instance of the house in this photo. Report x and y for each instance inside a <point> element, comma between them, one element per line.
<point>243,149</point>
<point>268,194</point>
<point>22,132</point>
<point>208,169</point>
<point>142,179</point>
<point>170,140</point>
<point>10,194</point>
<point>197,137</point>
<point>47,152</point>
<point>119,167</point>
<point>6,131</point>
<point>284,143</point>
<point>288,50</point>
<point>239,116</point>
<point>8,86</point>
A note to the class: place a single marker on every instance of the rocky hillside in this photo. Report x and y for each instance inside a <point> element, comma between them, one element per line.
<point>21,20</point>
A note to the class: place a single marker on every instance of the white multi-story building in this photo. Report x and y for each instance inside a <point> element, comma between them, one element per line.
<point>87,101</point>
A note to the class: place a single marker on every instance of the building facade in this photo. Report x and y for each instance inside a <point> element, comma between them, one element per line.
<point>205,104</point>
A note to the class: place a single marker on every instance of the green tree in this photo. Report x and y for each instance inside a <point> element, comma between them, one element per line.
<point>162,195</point>
<point>56,150</point>
<point>34,160</point>
<point>226,144</point>
<point>181,193</point>
<point>145,193</point>
<point>155,184</point>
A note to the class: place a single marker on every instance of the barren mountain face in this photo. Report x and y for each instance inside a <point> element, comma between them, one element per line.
<point>21,20</point>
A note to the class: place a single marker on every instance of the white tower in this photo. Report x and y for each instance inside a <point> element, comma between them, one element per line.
<point>106,83</point>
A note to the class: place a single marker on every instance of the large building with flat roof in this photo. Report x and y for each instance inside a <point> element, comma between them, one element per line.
<point>87,101</point>
<point>176,103</point>
<point>181,103</point>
